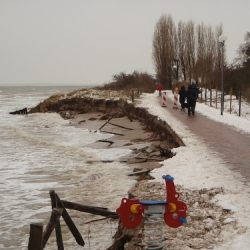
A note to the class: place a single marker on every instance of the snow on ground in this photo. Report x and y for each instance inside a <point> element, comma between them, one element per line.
<point>207,170</point>
<point>207,183</point>
<point>241,123</point>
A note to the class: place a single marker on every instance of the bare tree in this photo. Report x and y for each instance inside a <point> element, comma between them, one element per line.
<point>189,53</point>
<point>195,48</point>
<point>200,50</point>
<point>181,48</point>
<point>210,56</point>
<point>243,51</point>
<point>217,60</point>
<point>238,76</point>
<point>164,47</point>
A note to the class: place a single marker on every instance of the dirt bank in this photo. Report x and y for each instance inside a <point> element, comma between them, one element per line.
<point>70,107</point>
<point>150,138</point>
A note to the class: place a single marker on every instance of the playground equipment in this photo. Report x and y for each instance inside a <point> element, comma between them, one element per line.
<point>172,210</point>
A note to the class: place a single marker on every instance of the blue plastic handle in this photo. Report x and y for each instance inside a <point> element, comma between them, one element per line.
<point>182,220</point>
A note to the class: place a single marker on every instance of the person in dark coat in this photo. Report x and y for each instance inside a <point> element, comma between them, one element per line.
<point>182,97</point>
<point>197,92</point>
<point>191,99</point>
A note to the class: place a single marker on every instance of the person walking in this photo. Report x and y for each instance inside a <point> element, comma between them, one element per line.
<point>191,100</point>
<point>196,91</point>
<point>182,97</point>
<point>159,88</point>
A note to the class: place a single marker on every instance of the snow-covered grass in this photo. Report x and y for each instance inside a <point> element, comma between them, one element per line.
<point>231,104</point>
<point>207,170</point>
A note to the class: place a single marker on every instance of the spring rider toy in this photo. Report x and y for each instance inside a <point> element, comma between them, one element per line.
<point>132,211</point>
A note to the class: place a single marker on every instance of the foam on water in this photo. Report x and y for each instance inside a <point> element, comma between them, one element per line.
<point>40,152</point>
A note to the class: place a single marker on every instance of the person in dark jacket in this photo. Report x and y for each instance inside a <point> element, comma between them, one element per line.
<point>191,99</point>
<point>197,92</point>
<point>182,97</point>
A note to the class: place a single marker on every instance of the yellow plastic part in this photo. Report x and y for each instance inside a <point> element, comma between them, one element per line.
<point>134,207</point>
<point>173,207</point>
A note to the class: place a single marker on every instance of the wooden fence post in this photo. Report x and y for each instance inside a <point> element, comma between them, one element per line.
<point>230,109</point>
<point>216,98</point>
<point>55,216</point>
<point>125,112</point>
<point>36,237</point>
<point>59,239</point>
<point>70,223</point>
<point>108,121</point>
<point>211,95</point>
<point>90,209</point>
<point>206,94</point>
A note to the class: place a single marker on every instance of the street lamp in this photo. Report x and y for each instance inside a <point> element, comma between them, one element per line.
<point>176,68</point>
<point>175,72</point>
<point>222,40</point>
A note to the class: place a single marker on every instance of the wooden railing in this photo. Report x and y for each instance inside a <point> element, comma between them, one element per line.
<point>38,238</point>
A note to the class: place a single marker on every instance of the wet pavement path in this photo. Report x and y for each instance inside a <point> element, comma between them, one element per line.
<point>232,145</point>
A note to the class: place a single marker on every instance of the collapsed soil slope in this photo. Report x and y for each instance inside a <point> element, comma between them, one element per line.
<point>68,107</point>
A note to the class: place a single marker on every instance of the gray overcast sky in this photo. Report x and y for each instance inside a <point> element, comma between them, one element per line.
<point>86,42</point>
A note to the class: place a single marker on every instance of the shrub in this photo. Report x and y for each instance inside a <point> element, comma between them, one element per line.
<point>136,80</point>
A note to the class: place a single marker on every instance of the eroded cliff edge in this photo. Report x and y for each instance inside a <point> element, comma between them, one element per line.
<point>68,107</point>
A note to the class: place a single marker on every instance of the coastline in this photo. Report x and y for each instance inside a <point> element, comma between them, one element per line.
<point>204,228</point>
<point>214,196</point>
<point>149,139</point>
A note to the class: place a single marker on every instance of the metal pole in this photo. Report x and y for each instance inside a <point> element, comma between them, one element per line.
<point>222,86</point>
<point>239,101</point>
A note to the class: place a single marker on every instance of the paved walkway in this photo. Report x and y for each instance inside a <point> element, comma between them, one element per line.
<point>233,146</point>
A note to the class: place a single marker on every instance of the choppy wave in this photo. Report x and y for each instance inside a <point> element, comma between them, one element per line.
<point>40,152</point>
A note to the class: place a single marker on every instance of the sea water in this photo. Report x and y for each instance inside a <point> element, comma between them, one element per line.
<point>43,152</point>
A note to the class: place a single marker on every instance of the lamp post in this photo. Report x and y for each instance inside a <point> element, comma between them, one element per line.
<point>175,72</point>
<point>176,68</point>
<point>222,40</point>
